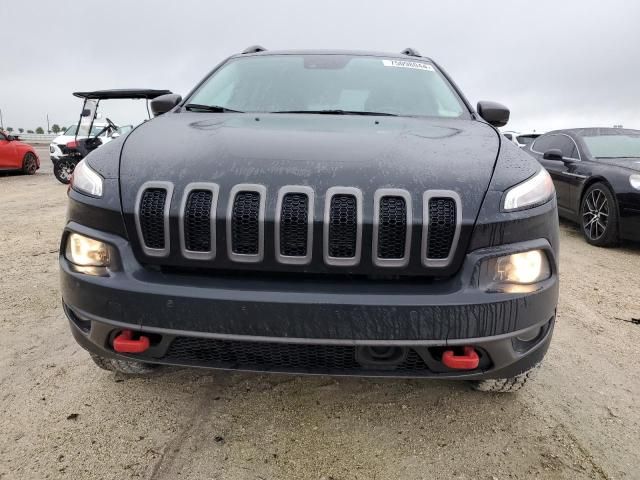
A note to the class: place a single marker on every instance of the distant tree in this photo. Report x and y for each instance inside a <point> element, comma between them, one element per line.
<point>21,130</point>
<point>40,130</point>
<point>29,131</point>
<point>62,129</point>
<point>55,128</point>
<point>9,129</point>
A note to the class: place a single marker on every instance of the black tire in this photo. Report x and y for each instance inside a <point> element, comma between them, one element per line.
<point>123,366</point>
<point>29,164</point>
<point>599,216</point>
<point>63,170</point>
<point>506,385</point>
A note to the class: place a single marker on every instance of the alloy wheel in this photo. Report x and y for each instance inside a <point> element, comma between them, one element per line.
<point>595,214</point>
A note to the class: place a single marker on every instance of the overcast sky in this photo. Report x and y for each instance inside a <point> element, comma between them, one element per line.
<point>555,64</point>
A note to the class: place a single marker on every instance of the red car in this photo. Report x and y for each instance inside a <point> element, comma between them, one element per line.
<point>15,155</point>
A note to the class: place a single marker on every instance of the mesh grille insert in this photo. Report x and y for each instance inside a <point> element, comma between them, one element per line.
<point>197,221</point>
<point>343,226</point>
<point>442,227</point>
<point>294,216</point>
<point>392,227</point>
<point>245,228</point>
<point>279,356</point>
<point>152,217</point>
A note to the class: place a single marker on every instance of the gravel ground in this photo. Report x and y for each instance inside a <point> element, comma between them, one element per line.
<point>61,417</point>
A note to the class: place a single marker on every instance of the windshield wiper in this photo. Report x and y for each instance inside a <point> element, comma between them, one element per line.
<point>338,112</point>
<point>195,107</point>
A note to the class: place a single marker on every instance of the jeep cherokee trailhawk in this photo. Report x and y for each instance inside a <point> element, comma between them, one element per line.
<point>325,212</point>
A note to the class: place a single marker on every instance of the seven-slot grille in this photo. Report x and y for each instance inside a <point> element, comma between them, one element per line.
<point>442,227</point>
<point>152,204</point>
<point>294,223</point>
<point>245,223</point>
<point>197,221</point>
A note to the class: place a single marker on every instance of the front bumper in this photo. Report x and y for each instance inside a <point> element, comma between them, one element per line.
<point>281,323</point>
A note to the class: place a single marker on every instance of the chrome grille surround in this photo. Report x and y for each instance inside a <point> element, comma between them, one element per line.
<point>377,198</point>
<point>214,189</point>
<point>427,196</point>
<point>243,257</point>
<point>168,187</point>
<point>297,260</point>
<point>340,261</point>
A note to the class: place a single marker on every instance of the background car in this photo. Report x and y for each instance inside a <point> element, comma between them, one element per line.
<point>596,172</point>
<point>521,139</point>
<point>15,155</point>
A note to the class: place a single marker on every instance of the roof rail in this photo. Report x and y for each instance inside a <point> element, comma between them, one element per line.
<point>410,51</point>
<point>254,49</point>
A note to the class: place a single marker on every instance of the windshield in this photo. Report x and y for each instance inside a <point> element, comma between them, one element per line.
<point>614,146</point>
<point>300,83</point>
<point>95,130</point>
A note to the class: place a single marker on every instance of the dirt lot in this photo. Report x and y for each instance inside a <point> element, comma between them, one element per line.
<point>61,417</point>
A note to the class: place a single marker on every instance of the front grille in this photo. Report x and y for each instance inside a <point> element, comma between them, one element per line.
<point>343,226</point>
<point>294,216</point>
<point>442,227</point>
<point>284,357</point>
<point>392,228</point>
<point>152,206</point>
<point>197,221</point>
<point>245,226</point>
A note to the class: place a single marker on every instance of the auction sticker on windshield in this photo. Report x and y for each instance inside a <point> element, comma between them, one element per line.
<point>408,64</point>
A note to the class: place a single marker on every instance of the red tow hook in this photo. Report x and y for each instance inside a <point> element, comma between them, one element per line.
<point>124,343</point>
<point>468,361</point>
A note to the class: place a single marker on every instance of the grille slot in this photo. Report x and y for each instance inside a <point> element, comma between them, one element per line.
<point>392,228</point>
<point>294,219</point>
<point>343,226</point>
<point>197,221</point>
<point>152,218</point>
<point>442,227</point>
<point>284,357</point>
<point>245,223</point>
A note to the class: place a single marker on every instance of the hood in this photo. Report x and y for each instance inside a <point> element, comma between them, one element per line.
<point>319,151</point>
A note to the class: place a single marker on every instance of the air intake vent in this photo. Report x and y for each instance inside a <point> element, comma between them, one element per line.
<point>442,219</point>
<point>245,223</point>
<point>343,219</point>
<point>152,217</point>
<point>197,221</point>
<point>293,225</point>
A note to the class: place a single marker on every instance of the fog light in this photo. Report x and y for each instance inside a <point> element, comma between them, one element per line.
<point>86,252</point>
<point>523,268</point>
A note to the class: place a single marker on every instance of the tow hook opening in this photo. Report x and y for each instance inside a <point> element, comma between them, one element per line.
<point>463,358</point>
<point>129,342</point>
<point>381,356</point>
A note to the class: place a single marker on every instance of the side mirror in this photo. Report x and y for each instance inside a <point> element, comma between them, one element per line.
<point>494,113</point>
<point>10,138</point>
<point>553,154</point>
<point>164,103</point>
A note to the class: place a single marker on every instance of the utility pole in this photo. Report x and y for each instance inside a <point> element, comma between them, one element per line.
<point>1,122</point>
<point>48,129</point>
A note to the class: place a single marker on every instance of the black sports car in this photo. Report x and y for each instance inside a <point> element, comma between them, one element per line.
<point>596,172</point>
<point>344,213</point>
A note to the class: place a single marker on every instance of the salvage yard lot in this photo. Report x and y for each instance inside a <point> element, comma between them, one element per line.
<point>62,417</point>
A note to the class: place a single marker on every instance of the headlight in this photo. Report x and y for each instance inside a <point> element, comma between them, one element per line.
<point>530,193</point>
<point>86,252</point>
<point>85,180</point>
<point>523,268</point>
<point>634,180</point>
